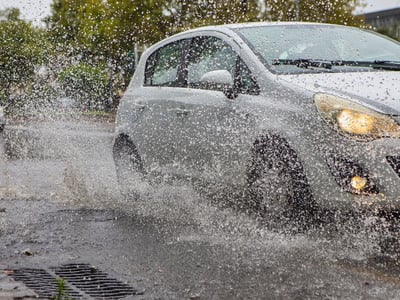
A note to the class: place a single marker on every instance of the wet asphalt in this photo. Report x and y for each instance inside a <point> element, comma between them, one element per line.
<point>59,204</point>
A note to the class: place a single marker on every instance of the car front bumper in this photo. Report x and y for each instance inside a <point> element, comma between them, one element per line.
<point>379,160</point>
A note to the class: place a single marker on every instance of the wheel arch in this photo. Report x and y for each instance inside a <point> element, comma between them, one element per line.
<point>122,139</point>
<point>279,145</point>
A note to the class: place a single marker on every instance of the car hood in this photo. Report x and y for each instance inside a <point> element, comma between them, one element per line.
<point>377,90</point>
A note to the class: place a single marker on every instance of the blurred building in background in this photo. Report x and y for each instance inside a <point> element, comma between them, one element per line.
<point>385,21</point>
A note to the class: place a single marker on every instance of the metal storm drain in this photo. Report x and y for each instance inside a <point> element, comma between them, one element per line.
<point>42,282</point>
<point>83,281</point>
<point>94,282</point>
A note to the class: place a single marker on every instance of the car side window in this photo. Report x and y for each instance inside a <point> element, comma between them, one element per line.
<point>245,81</point>
<point>162,66</point>
<point>208,54</point>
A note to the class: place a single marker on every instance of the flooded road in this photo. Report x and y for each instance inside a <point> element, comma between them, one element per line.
<point>60,204</point>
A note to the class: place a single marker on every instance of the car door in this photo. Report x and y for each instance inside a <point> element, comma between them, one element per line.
<point>154,130</point>
<point>216,132</point>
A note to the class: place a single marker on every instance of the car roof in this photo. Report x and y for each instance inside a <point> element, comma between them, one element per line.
<point>256,24</point>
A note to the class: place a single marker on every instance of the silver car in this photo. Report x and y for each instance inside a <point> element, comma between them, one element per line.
<point>297,115</point>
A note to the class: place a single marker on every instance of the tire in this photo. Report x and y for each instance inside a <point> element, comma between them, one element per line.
<point>279,190</point>
<point>128,165</point>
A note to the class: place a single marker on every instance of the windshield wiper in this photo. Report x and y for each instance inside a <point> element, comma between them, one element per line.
<point>304,63</point>
<point>328,64</point>
<point>376,64</point>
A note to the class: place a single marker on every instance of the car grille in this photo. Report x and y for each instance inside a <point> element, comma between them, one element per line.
<point>394,162</point>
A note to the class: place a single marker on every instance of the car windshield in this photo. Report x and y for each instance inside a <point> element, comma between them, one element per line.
<point>310,48</point>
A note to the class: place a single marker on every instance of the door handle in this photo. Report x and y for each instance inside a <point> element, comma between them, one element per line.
<point>139,107</point>
<point>182,112</point>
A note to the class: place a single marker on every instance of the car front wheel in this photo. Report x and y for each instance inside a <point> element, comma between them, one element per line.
<point>278,187</point>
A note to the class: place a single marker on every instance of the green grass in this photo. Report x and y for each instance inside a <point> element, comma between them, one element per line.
<point>62,290</point>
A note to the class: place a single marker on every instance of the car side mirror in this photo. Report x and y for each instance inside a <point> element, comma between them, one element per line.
<point>220,77</point>
<point>221,80</point>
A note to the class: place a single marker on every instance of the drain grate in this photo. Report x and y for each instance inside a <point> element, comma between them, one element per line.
<point>82,280</point>
<point>41,281</point>
<point>94,282</point>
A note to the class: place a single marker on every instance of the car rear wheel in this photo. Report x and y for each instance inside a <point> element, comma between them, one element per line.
<point>279,191</point>
<point>128,165</point>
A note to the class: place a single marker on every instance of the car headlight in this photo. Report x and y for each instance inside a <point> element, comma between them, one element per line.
<point>355,120</point>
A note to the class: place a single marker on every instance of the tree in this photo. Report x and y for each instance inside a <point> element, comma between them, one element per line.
<point>20,51</point>
<point>327,11</point>
<point>183,15</point>
<point>87,84</point>
<point>108,28</point>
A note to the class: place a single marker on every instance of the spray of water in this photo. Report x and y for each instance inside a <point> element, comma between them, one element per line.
<point>77,154</point>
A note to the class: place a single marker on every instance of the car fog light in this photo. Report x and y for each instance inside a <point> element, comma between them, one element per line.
<point>358,182</point>
<point>351,176</point>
